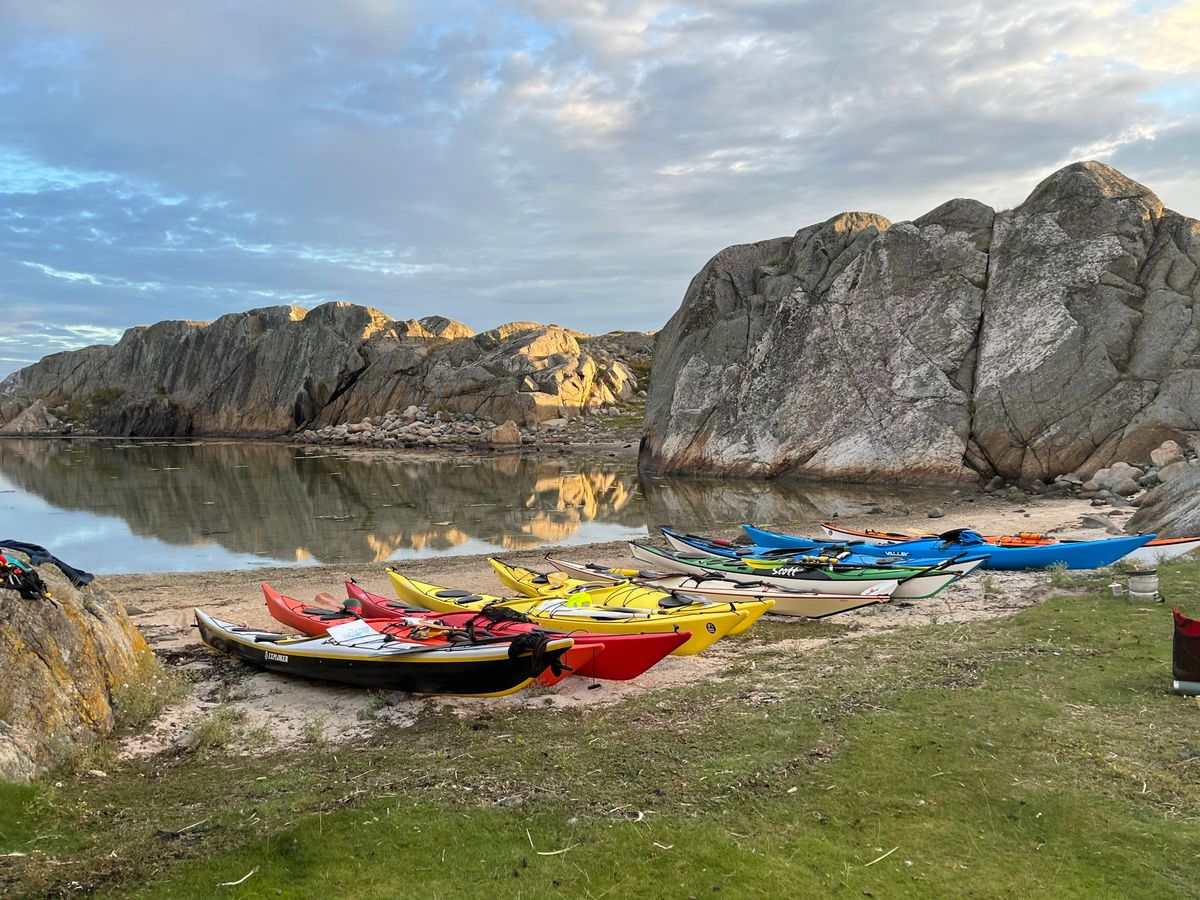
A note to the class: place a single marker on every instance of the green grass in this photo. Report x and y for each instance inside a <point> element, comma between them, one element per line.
<point>1039,755</point>
<point>642,367</point>
<point>626,420</point>
<point>106,396</point>
<point>218,730</point>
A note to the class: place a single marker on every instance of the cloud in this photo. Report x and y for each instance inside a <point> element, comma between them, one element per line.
<point>555,159</point>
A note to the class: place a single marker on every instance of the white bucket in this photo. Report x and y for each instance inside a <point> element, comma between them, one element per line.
<point>1143,581</point>
<point>1143,586</point>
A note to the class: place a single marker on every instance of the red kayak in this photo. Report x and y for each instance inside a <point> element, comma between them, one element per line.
<point>601,656</point>
<point>317,620</point>
<point>625,656</point>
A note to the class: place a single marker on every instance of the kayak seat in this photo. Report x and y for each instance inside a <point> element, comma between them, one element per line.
<point>324,613</point>
<point>540,579</point>
<point>451,593</point>
<point>673,603</point>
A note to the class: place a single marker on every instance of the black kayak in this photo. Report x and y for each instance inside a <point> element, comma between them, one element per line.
<point>446,664</point>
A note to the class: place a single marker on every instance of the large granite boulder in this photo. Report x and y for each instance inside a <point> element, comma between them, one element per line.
<point>281,369</point>
<point>1171,509</point>
<point>34,419</point>
<point>63,663</point>
<point>1051,338</point>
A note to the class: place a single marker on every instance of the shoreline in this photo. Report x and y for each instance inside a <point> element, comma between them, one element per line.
<point>449,451</point>
<point>284,710</point>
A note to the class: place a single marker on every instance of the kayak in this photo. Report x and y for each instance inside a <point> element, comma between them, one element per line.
<point>789,601</point>
<point>914,583</point>
<point>405,661</point>
<point>1150,553</point>
<point>706,627</point>
<point>1071,554</point>
<point>317,620</point>
<point>801,549</point>
<point>625,656</point>
<point>530,583</point>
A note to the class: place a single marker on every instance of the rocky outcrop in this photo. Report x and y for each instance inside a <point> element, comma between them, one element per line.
<point>522,371</point>
<point>1056,337</point>
<point>35,419</point>
<point>64,662</point>
<point>622,345</point>
<point>1173,508</point>
<point>282,369</point>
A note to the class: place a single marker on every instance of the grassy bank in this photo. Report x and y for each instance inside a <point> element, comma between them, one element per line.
<point>1034,755</point>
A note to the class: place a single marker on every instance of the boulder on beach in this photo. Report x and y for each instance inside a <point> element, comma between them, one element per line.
<point>34,419</point>
<point>64,663</point>
<point>1051,338</point>
<point>1173,508</point>
<point>506,434</point>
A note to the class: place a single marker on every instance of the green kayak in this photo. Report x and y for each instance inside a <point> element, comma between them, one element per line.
<point>914,582</point>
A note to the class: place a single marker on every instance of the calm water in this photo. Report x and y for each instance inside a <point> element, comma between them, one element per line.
<point>121,506</point>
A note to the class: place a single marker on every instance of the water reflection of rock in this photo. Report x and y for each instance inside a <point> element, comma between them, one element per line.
<point>285,503</point>
<point>695,503</point>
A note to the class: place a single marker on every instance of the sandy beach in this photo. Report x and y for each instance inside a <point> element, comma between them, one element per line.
<point>284,711</point>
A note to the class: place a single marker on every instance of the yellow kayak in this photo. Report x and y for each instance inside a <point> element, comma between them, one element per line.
<point>705,626</point>
<point>578,592</point>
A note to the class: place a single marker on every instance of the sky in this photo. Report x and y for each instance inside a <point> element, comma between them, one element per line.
<point>568,161</point>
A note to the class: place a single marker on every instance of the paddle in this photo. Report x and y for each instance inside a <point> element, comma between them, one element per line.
<point>930,569</point>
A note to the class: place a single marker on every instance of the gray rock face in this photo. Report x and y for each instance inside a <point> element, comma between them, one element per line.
<point>281,369</point>
<point>1056,337</point>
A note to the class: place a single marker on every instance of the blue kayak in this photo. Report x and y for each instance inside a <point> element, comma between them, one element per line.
<point>1072,554</point>
<point>827,552</point>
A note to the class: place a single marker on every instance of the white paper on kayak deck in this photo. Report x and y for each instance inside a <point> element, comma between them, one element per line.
<point>351,631</point>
